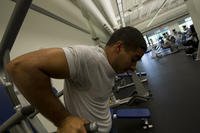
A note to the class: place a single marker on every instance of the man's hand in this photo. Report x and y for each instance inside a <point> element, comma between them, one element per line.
<point>72,124</point>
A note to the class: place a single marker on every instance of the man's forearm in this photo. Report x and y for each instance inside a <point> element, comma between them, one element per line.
<point>36,87</point>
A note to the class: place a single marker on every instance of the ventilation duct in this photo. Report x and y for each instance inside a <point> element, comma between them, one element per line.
<point>92,9</point>
<point>106,4</point>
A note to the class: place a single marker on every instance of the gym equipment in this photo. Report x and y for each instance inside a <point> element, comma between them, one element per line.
<point>125,80</point>
<point>91,127</point>
<point>18,122</point>
<point>30,112</point>
<point>26,112</point>
<point>128,74</point>
<point>139,95</point>
<point>6,105</point>
<point>133,113</point>
<point>9,36</point>
<point>16,118</point>
<point>164,49</point>
<point>124,85</point>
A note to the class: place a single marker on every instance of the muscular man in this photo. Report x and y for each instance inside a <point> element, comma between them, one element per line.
<point>89,73</point>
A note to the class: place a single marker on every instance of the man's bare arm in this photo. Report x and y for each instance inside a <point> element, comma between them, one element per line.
<point>31,74</point>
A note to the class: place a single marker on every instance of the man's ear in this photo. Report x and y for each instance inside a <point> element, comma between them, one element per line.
<point>118,46</point>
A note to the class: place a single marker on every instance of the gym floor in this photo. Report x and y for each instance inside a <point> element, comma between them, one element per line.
<point>174,81</point>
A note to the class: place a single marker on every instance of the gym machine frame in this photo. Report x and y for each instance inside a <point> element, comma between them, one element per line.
<point>24,120</point>
<point>9,36</point>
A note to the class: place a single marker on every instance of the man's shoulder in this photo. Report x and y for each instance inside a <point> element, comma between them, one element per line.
<point>93,50</point>
<point>86,51</point>
<point>81,47</point>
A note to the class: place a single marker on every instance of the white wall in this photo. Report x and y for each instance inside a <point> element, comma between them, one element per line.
<point>39,31</point>
<point>67,10</point>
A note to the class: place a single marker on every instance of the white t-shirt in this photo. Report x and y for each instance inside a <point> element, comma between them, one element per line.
<point>87,92</point>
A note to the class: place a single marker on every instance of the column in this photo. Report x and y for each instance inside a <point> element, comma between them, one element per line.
<point>194,10</point>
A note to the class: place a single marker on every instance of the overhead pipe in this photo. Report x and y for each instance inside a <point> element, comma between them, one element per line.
<point>161,7</point>
<point>107,7</point>
<point>91,8</point>
<point>121,12</point>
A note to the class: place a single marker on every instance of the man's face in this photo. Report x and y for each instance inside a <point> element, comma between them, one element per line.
<point>126,59</point>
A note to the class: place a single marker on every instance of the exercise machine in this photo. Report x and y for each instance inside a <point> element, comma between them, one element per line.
<point>121,80</point>
<point>142,114</point>
<point>28,113</point>
<point>16,118</point>
<point>9,36</point>
<point>138,95</point>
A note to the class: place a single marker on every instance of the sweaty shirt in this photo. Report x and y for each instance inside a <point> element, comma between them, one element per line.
<point>87,91</point>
